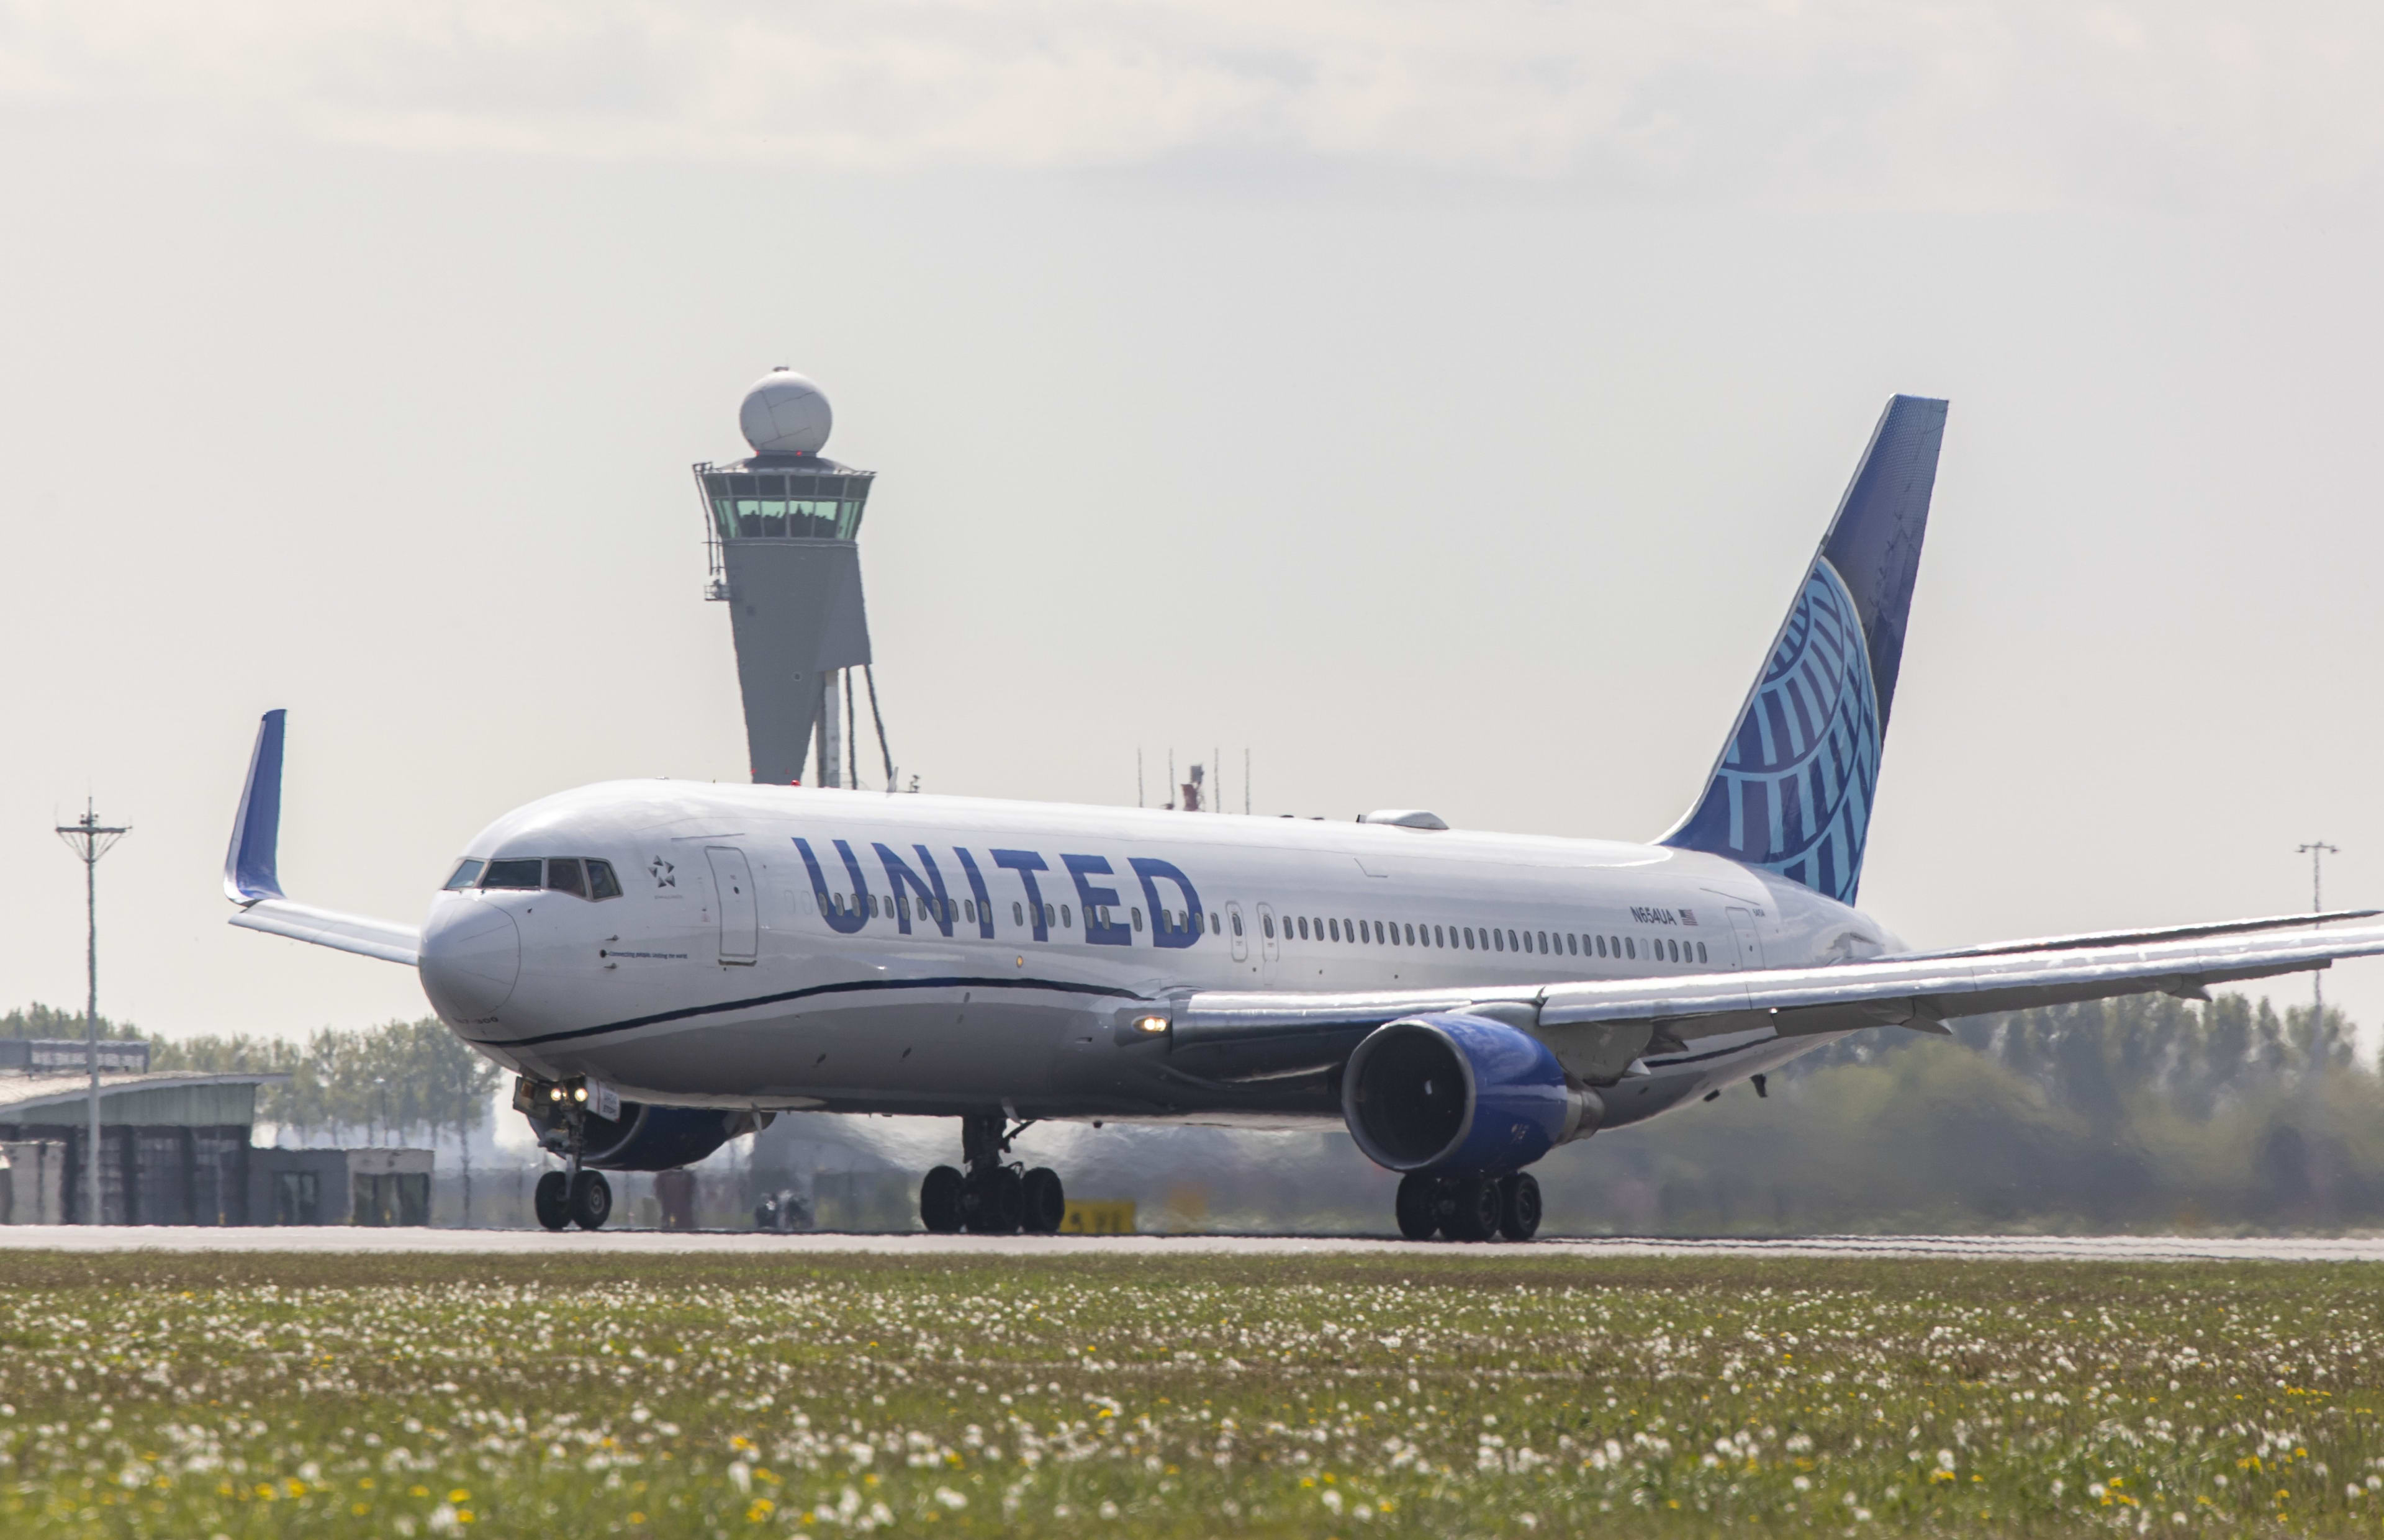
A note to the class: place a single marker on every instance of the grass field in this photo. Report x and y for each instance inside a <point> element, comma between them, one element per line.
<point>1482,1392</point>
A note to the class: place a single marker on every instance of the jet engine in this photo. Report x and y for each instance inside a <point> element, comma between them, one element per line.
<point>642,1136</point>
<point>1460,1095</point>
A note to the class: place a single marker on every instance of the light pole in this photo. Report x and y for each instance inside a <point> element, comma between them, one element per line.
<point>90,839</point>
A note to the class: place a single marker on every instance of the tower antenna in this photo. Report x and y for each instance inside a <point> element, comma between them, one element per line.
<point>90,839</point>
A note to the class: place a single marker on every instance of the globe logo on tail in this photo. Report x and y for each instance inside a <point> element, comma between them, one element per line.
<point>1793,793</point>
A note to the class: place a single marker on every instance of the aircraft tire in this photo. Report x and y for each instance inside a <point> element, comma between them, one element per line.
<point>1518,1206</point>
<point>1044,1201</point>
<point>550,1201</point>
<point>591,1200</point>
<point>1419,1206</point>
<point>996,1203</point>
<point>1474,1216</point>
<point>939,1201</point>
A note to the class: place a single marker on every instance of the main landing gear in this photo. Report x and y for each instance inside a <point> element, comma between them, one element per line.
<point>1468,1208</point>
<point>995,1196</point>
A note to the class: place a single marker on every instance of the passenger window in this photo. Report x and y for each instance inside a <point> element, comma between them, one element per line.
<point>1498,940</point>
<point>1303,927</point>
<point>1135,915</point>
<point>601,883</point>
<point>1572,945</point>
<point>1543,943</point>
<point>465,874</point>
<point>1701,951</point>
<point>1601,944</point>
<point>1334,925</point>
<point>1266,924</point>
<point>1067,918</point>
<point>1631,949</point>
<point>1017,913</point>
<point>1217,927</point>
<point>1436,934</point>
<point>1237,922</point>
<point>1051,917</point>
<point>1674,947</point>
<point>1469,937</point>
<point>515,875</point>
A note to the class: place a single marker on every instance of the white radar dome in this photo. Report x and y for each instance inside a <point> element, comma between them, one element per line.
<point>784,414</point>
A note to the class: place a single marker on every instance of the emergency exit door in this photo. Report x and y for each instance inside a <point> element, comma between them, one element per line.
<point>741,920</point>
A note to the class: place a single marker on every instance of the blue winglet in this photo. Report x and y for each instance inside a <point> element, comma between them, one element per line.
<point>250,867</point>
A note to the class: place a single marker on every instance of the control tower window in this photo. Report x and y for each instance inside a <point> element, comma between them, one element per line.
<point>514,874</point>
<point>601,883</point>
<point>465,874</point>
<point>564,877</point>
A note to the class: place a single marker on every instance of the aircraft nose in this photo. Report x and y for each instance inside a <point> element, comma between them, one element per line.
<point>470,960</point>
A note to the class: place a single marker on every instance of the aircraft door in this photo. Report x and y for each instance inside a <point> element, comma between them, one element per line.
<point>1234,933</point>
<point>740,917</point>
<point>1750,945</point>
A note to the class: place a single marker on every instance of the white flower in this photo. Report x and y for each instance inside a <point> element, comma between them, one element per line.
<point>1330,1500</point>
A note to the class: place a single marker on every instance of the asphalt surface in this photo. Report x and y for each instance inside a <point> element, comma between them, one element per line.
<point>345,1239</point>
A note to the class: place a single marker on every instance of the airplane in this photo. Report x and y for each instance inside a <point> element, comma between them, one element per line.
<point>666,964</point>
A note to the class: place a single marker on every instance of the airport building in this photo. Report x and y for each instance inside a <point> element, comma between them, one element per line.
<point>177,1149</point>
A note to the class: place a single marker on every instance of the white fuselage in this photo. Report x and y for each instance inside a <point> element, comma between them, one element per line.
<point>902,968</point>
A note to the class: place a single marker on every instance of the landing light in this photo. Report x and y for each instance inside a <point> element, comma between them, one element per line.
<point>1153,1026</point>
<point>579,1094</point>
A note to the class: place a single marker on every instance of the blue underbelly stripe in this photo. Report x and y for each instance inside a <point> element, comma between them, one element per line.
<point>855,987</point>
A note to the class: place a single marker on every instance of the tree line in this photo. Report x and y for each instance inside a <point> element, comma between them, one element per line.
<point>386,1083</point>
<point>2143,1112</point>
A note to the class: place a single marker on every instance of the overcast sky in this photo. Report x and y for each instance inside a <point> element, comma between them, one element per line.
<point>1438,402</point>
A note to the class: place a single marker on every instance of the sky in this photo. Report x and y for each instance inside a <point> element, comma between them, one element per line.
<point>1437,404</point>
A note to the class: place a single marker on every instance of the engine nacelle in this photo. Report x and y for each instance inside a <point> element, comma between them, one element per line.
<point>1460,1094</point>
<point>644,1136</point>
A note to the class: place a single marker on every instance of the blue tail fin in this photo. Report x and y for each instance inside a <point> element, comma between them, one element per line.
<point>1793,789</point>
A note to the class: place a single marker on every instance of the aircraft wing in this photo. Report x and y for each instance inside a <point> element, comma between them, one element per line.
<point>253,878</point>
<point>1600,1029</point>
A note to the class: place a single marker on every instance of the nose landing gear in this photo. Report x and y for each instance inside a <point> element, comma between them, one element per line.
<point>992,1197</point>
<point>1468,1208</point>
<point>573,1195</point>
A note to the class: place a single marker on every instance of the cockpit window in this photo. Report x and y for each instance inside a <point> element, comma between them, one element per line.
<point>465,874</point>
<point>601,883</point>
<point>564,877</point>
<point>514,874</point>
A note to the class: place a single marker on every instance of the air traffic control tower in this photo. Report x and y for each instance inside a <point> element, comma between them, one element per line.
<point>782,530</point>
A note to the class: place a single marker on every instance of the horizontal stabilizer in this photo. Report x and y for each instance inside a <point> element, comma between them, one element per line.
<point>2145,937</point>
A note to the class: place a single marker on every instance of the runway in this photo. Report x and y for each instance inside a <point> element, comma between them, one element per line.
<point>341,1239</point>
